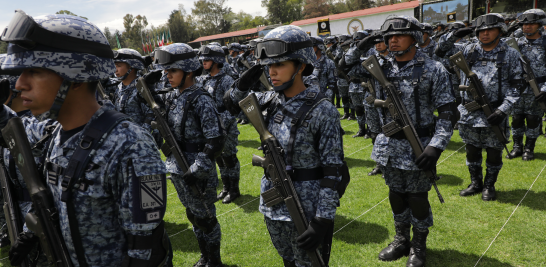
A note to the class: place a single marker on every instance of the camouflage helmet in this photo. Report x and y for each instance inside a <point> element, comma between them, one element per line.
<point>345,39</point>
<point>489,21</point>
<point>129,56</point>
<point>402,25</point>
<point>252,44</point>
<point>177,56</point>
<point>359,35</point>
<point>427,28</point>
<point>70,46</point>
<point>244,47</point>
<point>533,16</point>
<point>330,40</point>
<point>226,50</point>
<point>455,26</point>
<point>215,43</point>
<point>8,75</point>
<point>212,52</point>
<point>297,46</point>
<point>318,42</point>
<point>235,47</point>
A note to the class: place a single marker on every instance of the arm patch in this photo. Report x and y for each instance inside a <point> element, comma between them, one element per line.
<point>149,198</point>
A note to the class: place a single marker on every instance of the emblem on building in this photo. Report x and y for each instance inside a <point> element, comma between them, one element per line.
<point>354,25</point>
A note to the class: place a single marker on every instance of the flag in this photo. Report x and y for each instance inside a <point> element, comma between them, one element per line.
<point>158,41</point>
<point>143,47</point>
<point>117,40</point>
<point>163,38</point>
<point>170,36</point>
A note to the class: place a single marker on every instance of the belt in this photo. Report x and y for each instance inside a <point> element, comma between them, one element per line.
<point>540,79</point>
<point>306,174</point>
<point>421,132</point>
<point>191,147</point>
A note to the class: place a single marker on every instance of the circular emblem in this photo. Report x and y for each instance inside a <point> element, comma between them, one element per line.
<point>323,25</point>
<point>450,16</point>
<point>354,25</point>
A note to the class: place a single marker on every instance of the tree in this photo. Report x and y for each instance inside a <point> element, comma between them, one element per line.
<point>133,35</point>
<point>110,37</point>
<point>210,16</point>
<point>283,11</point>
<point>66,12</point>
<point>315,8</point>
<point>181,29</point>
<point>3,47</point>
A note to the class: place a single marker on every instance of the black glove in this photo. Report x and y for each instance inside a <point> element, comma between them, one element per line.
<point>245,54</point>
<point>541,97</point>
<point>249,77</point>
<point>147,61</point>
<point>373,136</point>
<point>240,62</point>
<point>189,178</point>
<point>366,43</point>
<point>429,158</point>
<point>511,29</point>
<point>496,118</point>
<point>153,77</point>
<point>4,91</point>
<point>460,33</point>
<point>23,245</point>
<point>315,233</point>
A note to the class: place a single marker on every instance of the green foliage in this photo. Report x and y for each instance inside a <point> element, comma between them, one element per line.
<point>66,12</point>
<point>3,47</point>
<point>182,27</point>
<point>283,11</point>
<point>210,16</point>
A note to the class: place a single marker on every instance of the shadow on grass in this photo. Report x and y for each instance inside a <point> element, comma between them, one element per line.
<point>249,207</point>
<point>533,200</point>
<point>540,155</point>
<point>184,240</point>
<point>455,258</point>
<point>349,132</point>
<point>454,145</point>
<point>449,179</point>
<point>359,232</point>
<point>250,143</point>
<point>354,162</point>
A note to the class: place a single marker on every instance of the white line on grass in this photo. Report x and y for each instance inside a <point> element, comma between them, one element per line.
<point>450,155</point>
<point>510,216</point>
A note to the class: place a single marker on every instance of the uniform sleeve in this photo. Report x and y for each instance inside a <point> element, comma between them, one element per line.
<point>331,155</point>
<point>372,115</point>
<point>141,169</point>
<point>515,73</point>
<point>353,55</point>
<point>442,94</point>
<point>332,77</point>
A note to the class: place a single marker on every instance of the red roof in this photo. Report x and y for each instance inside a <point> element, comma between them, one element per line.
<point>359,13</point>
<point>227,34</point>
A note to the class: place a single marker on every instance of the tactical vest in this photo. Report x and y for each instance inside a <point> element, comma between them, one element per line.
<point>500,61</point>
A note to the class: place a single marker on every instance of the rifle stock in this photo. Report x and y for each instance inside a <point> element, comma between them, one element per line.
<point>275,167</point>
<point>45,222</point>
<point>401,119</point>
<point>101,91</point>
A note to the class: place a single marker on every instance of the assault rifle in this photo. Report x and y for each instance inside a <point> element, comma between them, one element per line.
<point>529,73</point>
<point>44,222</point>
<point>401,120</point>
<point>476,90</point>
<point>370,85</point>
<point>170,146</point>
<point>275,168</point>
<point>339,71</point>
<point>12,211</point>
<point>263,78</point>
<point>101,91</point>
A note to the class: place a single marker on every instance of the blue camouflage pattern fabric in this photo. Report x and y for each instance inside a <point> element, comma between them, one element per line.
<point>127,101</point>
<point>83,67</point>
<point>342,84</point>
<point>187,65</point>
<point>434,91</point>
<point>290,33</point>
<point>283,234</point>
<point>325,71</point>
<point>429,49</point>
<point>356,91</point>
<point>133,63</point>
<point>108,209</point>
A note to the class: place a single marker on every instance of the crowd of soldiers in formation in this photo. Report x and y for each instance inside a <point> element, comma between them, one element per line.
<point>112,214</point>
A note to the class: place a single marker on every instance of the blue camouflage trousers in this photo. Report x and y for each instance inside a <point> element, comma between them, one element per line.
<point>527,106</point>
<point>343,88</point>
<point>357,99</point>
<point>482,137</point>
<point>404,181</point>
<point>283,236</point>
<point>230,150</point>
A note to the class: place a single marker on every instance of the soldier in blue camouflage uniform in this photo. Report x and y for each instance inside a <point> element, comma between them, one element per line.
<point>356,91</point>
<point>324,69</point>
<point>312,151</point>
<point>527,109</point>
<point>128,63</point>
<point>332,47</point>
<point>404,173</point>
<point>343,84</point>
<point>216,83</point>
<point>111,224</point>
<point>198,128</point>
<point>428,45</point>
<point>235,50</point>
<point>498,67</point>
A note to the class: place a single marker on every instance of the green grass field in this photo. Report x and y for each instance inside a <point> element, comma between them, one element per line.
<point>464,230</point>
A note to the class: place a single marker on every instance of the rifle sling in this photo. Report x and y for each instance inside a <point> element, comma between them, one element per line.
<point>499,62</point>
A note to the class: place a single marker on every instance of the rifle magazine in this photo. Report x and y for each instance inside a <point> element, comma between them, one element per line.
<point>472,106</point>
<point>391,128</point>
<point>370,99</point>
<point>272,197</point>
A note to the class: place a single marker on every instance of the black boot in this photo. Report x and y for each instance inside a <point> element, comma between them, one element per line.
<point>366,129</point>
<point>361,132</point>
<point>529,151</point>
<point>243,122</point>
<point>338,101</point>
<point>214,256</point>
<point>418,253</point>
<point>345,114</point>
<point>489,193</point>
<point>375,171</point>
<point>4,240</point>
<point>289,263</point>
<point>225,188</point>
<point>233,193</point>
<point>476,185</point>
<point>204,253</point>
<point>352,115</point>
<point>400,246</point>
<point>517,149</point>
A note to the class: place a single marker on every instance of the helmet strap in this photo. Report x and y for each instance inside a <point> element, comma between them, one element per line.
<point>122,78</point>
<point>288,84</point>
<point>490,43</point>
<point>53,112</point>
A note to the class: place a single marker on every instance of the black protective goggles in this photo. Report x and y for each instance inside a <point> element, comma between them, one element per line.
<point>399,24</point>
<point>426,27</point>
<point>206,51</point>
<point>164,57</point>
<point>359,35</point>
<point>344,38</point>
<point>278,47</point>
<point>487,20</point>
<point>456,26</point>
<point>118,55</point>
<point>252,44</point>
<point>530,18</point>
<point>26,33</point>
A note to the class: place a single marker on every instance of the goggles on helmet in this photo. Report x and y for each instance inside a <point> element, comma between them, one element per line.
<point>399,24</point>
<point>118,55</point>
<point>277,47</point>
<point>164,57</point>
<point>252,44</point>
<point>456,26</point>
<point>426,27</point>
<point>360,35</point>
<point>26,33</point>
<point>530,18</point>
<point>487,20</point>
<point>344,38</point>
<point>206,51</point>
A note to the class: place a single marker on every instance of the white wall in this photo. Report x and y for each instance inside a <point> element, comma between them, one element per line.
<point>373,21</point>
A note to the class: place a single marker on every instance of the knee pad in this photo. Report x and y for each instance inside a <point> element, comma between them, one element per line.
<point>533,121</point>
<point>191,216</point>
<point>398,202</point>
<point>359,111</point>
<point>494,156</point>
<point>206,224</point>
<point>473,154</point>
<point>220,162</point>
<point>419,205</point>
<point>230,161</point>
<point>518,121</point>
